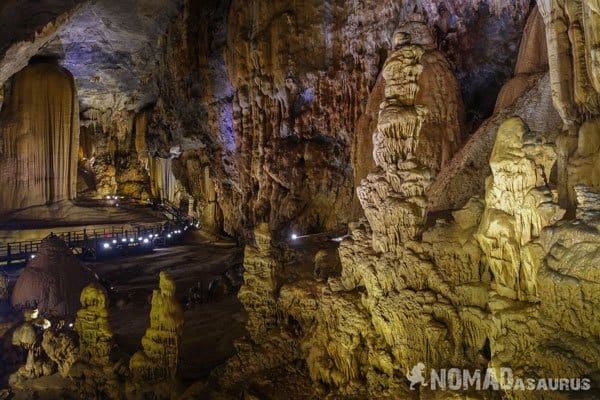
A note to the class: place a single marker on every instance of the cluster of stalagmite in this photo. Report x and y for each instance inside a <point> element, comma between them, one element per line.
<point>509,279</point>
<point>86,353</point>
<point>49,347</point>
<point>39,137</point>
<point>158,359</point>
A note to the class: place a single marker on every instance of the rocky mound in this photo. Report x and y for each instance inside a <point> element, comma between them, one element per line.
<point>53,280</point>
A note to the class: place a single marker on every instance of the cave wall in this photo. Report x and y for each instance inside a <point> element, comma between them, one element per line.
<point>508,279</point>
<point>278,97</point>
<point>309,70</point>
<point>39,129</point>
<point>193,114</point>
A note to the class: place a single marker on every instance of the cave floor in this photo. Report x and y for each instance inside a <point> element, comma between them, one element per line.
<point>210,328</point>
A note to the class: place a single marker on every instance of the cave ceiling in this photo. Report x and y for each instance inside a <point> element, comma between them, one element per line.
<point>110,46</point>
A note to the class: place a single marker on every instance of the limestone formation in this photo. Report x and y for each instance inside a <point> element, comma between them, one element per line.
<point>61,348</point>
<point>465,175</point>
<point>261,270</point>
<point>92,326</point>
<point>39,131</point>
<point>397,193</point>
<point>52,280</point>
<point>95,369</point>
<point>327,264</point>
<point>461,137</point>
<point>570,32</point>
<point>158,359</point>
<point>519,204</point>
<point>532,60</point>
<point>26,337</point>
<point>162,180</point>
<point>506,279</point>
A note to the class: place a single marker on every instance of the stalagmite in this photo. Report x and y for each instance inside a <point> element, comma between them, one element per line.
<point>39,131</point>
<point>519,204</point>
<point>261,267</point>
<point>158,359</point>
<point>52,280</point>
<point>95,334</point>
<point>95,369</point>
<point>397,193</point>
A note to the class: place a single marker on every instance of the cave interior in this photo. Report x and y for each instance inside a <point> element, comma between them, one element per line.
<point>299,199</point>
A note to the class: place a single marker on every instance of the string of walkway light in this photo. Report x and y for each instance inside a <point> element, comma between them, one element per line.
<point>150,238</point>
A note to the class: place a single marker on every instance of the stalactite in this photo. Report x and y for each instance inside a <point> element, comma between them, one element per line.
<point>162,180</point>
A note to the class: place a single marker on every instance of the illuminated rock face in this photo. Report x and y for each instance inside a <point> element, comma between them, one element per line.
<point>39,131</point>
<point>158,360</point>
<point>506,279</point>
<point>519,204</point>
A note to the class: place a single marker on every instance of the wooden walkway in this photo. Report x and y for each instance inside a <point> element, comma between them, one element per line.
<point>109,242</point>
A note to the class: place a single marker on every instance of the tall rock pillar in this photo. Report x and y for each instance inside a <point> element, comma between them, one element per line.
<point>39,138</point>
<point>393,197</point>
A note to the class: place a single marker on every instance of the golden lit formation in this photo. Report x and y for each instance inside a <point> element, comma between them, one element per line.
<point>275,199</point>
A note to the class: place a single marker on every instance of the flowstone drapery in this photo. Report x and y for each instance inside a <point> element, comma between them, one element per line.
<point>519,204</point>
<point>39,138</point>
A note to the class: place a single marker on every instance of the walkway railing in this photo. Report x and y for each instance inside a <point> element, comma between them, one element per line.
<point>107,242</point>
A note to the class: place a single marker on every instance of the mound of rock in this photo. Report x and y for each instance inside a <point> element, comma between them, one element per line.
<point>52,281</point>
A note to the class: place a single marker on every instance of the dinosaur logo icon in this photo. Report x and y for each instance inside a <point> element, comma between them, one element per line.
<point>416,375</point>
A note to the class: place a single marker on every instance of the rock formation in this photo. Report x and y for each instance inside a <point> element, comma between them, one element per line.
<point>519,204</point>
<point>95,369</point>
<point>459,168</point>
<point>61,348</point>
<point>158,359</point>
<point>261,270</point>
<point>531,61</point>
<point>39,129</point>
<point>397,193</point>
<point>505,280</point>
<point>95,335</point>
<point>28,336</point>
<point>52,280</point>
